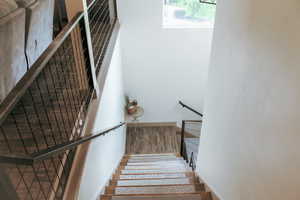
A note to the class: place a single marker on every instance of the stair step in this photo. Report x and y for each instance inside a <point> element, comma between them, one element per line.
<point>157,163</point>
<point>155,176</point>
<point>197,196</point>
<point>162,189</point>
<point>166,166</point>
<point>177,181</point>
<point>153,160</point>
<point>154,171</point>
<point>149,155</point>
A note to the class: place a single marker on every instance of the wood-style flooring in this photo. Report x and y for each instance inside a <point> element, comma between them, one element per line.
<point>152,139</point>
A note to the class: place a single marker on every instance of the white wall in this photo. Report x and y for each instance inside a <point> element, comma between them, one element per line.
<point>106,151</point>
<point>162,66</point>
<point>250,139</point>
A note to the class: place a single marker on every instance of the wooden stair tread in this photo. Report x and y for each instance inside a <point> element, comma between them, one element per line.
<point>178,181</point>
<point>149,176</point>
<point>158,163</point>
<point>162,189</point>
<point>196,196</point>
<point>166,166</point>
<point>149,155</point>
<point>114,180</point>
<point>130,160</point>
<point>153,171</point>
<point>155,177</point>
<point>152,157</point>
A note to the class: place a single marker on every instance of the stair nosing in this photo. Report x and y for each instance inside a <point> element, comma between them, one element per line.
<point>188,177</point>
<point>157,173</point>
<point>195,193</point>
<point>157,194</point>
<point>126,186</point>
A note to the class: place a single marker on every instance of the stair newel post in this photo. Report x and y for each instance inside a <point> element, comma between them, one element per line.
<point>182,138</point>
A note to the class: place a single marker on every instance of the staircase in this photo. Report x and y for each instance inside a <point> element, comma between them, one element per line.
<point>155,177</point>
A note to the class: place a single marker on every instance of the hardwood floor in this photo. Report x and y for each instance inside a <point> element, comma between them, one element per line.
<point>152,139</point>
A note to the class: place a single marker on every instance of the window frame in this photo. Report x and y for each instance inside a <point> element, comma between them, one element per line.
<point>168,25</point>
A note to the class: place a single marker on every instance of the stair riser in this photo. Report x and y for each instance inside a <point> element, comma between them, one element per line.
<point>153,176</point>
<point>152,160</point>
<point>152,157</point>
<point>154,171</point>
<point>175,166</point>
<point>152,182</point>
<point>155,163</point>
<point>159,163</point>
<point>170,189</point>
<point>149,155</point>
<point>198,196</point>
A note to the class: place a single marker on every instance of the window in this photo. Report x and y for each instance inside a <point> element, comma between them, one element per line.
<point>188,14</point>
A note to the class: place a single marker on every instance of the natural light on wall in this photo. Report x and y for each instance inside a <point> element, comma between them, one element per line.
<point>188,14</point>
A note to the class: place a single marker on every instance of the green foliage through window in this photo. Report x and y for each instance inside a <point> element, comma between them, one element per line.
<point>195,9</point>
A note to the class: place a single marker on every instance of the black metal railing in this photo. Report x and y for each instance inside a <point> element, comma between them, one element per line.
<point>211,2</point>
<point>192,162</point>
<point>46,109</point>
<point>190,134</point>
<point>52,151</point>
<point>102,16</point>
<point>190,108</point>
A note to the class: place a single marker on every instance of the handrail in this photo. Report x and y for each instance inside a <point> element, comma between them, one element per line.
<point>18,91</point>
<point>192,163</point>
<point>46,153</point>
<point>183,148</point>
<point>196,121</point>
<point>189,108</point>
<point>182,145</point>
<point>207,2</point>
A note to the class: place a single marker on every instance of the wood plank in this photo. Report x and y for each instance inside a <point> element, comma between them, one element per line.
<point>143,140</point>
<point>161,189</point>
<point>195,196</point>
<point>153,176</point>
<point>152,124</point>
<point>162,181</point>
